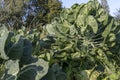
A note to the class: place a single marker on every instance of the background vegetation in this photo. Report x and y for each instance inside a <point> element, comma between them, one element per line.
<point>41,41</point>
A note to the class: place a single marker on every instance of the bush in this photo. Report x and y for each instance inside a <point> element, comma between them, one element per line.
<point>82,44</point>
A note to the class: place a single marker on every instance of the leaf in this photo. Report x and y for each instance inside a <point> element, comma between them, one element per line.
<point>12,69</point>
<point>92,74</point>
<point>74,6</point>
<point>34,71</point>
<point>96,3</point>
<point>50,75</point>
<point>107,29</point>
<point>16,51</point>
<point>92,23</point>
<point>27,52</point>
<point>68,46</point>
<point>60,76</point>
<point>76,55</point>
<point>112,37</point>
<point>55,73</point>
<point>9,42</point>
<point>106,20</point>
<point>100,52</point>
<point>84,10</point>
<point>50,29</point>
<point>55,67</point>
<point>3,37</point>
<point>84,75</point>
<point>73,30</point>
<point>81,20</point>
<point>102,15</point>
<point>76,9</point>
<point>66,23</point>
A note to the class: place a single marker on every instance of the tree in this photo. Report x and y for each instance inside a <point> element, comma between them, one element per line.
<point>11,13</point>
<point>29,13</point>
<point>54,9</point>
<point>43,13</point>
<point>105,5</point>
<point>51,9</point>
<point>117,15</point>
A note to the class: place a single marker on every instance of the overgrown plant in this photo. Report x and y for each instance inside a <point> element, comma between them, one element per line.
<point>17,61</point>
<point>86,44</point>
<point>82,44</point>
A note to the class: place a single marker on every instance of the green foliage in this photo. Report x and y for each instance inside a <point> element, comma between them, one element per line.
<point>13,6</point>
<point>16,59</point>
<point>13,12</point>
<point>86,43</point>
<point>82,44</point>
<point>50,9</point>
<point>3,37</point>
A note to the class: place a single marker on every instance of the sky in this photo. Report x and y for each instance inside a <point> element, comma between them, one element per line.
<point>113,4</point>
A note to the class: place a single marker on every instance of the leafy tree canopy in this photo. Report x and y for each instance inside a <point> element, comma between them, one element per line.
<point>28,12</point>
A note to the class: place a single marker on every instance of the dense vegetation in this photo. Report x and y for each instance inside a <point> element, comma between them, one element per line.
<point>83,43</point>
<point>28,13</point>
